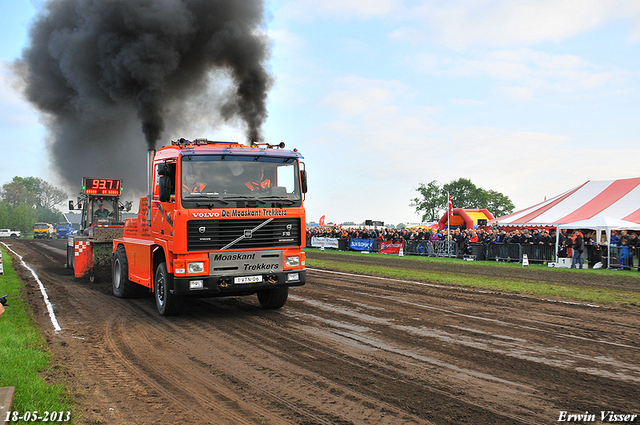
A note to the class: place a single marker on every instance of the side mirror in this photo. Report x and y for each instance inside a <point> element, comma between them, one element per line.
<point>70,205</point>
<point>167,173</point>
<point>165,188</point>
<point>303,180</point>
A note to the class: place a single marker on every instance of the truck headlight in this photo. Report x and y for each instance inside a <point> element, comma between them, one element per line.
<point>197,267</point>
<point>292,261</point>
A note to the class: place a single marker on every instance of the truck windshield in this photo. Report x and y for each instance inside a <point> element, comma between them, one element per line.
<point>239,181</point>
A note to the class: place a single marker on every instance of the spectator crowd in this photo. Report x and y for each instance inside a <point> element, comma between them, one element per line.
<point>572,244</point>
<point>462,237</point>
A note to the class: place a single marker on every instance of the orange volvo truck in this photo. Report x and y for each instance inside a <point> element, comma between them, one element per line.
<point>221,219</point>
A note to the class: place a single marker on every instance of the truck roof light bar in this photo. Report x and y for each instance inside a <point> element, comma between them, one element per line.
<point>255,144</point>
<point>182,142</point>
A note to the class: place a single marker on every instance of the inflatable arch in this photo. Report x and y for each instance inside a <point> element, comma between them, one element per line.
<point>468,217</point>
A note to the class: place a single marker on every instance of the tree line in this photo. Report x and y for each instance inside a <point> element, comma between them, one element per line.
<point>464,194</point>
<point>27,200</point>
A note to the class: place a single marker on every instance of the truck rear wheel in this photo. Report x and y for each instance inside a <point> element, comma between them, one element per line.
<point>122,286</point>
<point>273,298</point>
<point>167,302</point>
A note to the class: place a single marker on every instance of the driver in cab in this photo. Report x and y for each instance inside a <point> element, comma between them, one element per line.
<point>190,183</point>
<point>257,182</point>
<point>102,212</point>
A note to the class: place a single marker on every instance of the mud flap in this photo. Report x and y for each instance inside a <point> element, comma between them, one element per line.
<point>91,259</point>
<point>83,258</point>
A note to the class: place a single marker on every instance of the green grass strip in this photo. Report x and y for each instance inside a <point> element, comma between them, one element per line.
<point>542,289</point>
<point>24,356</point>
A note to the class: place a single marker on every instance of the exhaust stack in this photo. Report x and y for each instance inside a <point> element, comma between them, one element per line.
<point>151,153</point>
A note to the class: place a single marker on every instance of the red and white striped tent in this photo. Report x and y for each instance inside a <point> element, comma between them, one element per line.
<point>618,199</point>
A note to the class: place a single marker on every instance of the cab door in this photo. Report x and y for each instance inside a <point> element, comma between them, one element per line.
<point>164,200</point>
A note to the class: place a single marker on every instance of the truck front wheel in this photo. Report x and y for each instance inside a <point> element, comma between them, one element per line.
<point>273,298</point>
<point>167,302</point>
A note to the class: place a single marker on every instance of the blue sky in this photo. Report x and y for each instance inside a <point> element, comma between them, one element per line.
<point>527,98</point>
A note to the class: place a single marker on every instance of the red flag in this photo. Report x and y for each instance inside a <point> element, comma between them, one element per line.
<point>322,221</point>
<point>450,207</point>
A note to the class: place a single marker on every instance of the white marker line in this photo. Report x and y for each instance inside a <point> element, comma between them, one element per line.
<point>43,290</point>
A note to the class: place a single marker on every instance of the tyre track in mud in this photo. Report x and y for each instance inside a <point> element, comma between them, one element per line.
<point>542,316</point>
<point>344,350</point>
<point>531,360</point>
<point>168,376</point>
<point>257,346</point>
<point>190,367</point>
<point>375,384</point>
<point>286,377</point>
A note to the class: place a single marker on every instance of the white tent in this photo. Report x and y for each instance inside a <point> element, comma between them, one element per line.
<point>599,224</point>
<point>619,199</point>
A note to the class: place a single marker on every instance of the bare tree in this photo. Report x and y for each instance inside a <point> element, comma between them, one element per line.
<point>32,191</point>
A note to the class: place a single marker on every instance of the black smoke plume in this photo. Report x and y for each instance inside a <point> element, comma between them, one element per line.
<point>107,73</point>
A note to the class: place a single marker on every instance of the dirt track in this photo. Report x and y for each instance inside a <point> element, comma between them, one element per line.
<point>344,350</point>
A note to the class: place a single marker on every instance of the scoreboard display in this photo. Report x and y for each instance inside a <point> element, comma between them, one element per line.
<point>107,187</point>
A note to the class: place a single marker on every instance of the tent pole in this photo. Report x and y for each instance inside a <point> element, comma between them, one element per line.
<point>448,229</point>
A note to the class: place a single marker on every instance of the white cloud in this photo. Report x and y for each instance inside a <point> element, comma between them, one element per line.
<point>286,40</point>
<point>362,96</point>
<point>538,59</point>
<point>23,135</point>
<point>467,102</point>
<point>398,145</point>
<point>526,71</point>
<point>408,34</point>
<point>13,108</point>
<point>517,93</point>
<point>511,23</point>
<point>340,9</point>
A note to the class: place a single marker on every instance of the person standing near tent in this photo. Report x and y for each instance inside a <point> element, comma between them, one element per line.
<point>633,243</point>
<point>625,254</point>
<point>577,248</point>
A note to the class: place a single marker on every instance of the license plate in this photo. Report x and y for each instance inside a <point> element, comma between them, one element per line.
<point>247,279</point>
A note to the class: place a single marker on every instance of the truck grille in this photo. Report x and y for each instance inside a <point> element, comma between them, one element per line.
<point>211,235</point>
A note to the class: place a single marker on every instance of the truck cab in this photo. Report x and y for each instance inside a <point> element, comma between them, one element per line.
<point>42,231</point>
<point>64,230</point>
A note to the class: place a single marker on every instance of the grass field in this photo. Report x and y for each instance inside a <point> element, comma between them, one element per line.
<point>24,357</point>
<point>461,273</point>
